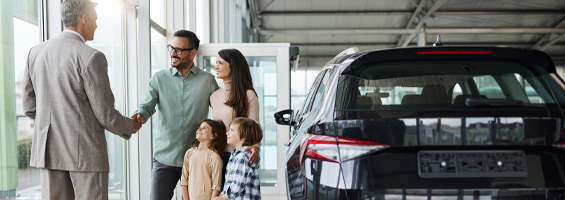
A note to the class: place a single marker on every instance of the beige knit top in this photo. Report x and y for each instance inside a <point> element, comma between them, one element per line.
<point>220,111</point>
<point>201,172</point>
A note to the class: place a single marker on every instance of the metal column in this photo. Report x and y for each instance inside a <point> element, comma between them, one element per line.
<point>421,38</point>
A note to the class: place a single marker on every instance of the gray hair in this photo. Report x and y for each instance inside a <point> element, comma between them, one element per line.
<point>72,10</point>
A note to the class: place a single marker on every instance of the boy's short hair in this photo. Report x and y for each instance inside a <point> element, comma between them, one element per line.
<point>248,129</point>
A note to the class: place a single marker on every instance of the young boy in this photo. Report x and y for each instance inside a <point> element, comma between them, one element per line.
<point>242,177</point>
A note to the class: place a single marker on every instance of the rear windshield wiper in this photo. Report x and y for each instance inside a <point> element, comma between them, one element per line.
<point>478,101</point>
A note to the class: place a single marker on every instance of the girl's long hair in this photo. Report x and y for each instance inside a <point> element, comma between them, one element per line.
<point>219,142</point>
<point>240,81</point>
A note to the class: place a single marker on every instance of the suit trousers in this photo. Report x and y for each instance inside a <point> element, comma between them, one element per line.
<point>165,179</point>
<point>63,185</point>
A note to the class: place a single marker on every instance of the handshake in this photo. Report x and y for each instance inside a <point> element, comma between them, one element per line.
<point>138,120</point>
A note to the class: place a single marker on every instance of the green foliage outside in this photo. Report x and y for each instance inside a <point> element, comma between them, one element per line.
<point>24,151</point>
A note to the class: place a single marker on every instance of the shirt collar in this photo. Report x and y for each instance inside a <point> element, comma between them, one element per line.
<point>174,71</point>
<point>76,33</point>
<point>237,151</point>
<point>194,70</point>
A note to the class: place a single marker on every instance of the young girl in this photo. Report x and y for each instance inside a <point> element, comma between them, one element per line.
<point>202,168</point>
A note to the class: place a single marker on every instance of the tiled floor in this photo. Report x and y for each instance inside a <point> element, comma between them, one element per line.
<point>35,193</point>
<point>29,179</point>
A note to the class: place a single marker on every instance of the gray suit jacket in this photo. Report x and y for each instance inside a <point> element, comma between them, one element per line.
<point>67,92</point>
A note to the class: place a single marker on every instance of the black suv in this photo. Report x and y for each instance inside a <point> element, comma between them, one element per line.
<point>430,122</point>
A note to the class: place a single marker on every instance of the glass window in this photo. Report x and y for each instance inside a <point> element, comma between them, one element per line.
<point>159,62</point>
<point>416,87</point>
<point>237,22</point>
<point>456,92</point>
<point>301,81</point>
<point>533,96</point>
<point>487,86</point>
<point>20,31</point>
<point>296,102</point>
<point>318,96</point>
<point>313,90</point>
<point>320,92</point>
<point>298,82</point>
<point>108,39</point>
<point>157,11</point>
<point>23,33</point>
<point>395,94</point>
<point>297,88</point>
<point>159,52</point>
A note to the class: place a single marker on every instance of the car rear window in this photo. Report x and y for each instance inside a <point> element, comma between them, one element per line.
<point>445,85</point>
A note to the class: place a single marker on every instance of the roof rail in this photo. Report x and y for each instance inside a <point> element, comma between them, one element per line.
<point>349,50</point>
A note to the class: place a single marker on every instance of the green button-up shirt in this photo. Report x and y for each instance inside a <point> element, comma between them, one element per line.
<point>182,102</point>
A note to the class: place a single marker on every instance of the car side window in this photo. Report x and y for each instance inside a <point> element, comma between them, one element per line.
<point>308,102</point>
<point>320,91</point>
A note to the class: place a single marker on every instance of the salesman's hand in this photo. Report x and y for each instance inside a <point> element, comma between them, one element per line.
<point>139,117</point>
<point>254,154</point>
<point>136,126</point>
<point>138,120</point>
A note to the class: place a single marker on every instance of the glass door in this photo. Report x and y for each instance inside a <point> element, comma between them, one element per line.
<point>269,67</point>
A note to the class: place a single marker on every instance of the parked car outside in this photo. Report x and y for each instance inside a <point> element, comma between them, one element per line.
<point>430,122</point>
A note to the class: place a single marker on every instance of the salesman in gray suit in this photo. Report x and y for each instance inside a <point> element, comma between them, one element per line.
<point>67,91</point>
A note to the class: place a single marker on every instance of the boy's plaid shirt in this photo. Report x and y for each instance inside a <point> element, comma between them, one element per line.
<point>242,177</point>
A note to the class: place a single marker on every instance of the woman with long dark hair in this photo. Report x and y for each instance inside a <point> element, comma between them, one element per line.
<point>236,98</point>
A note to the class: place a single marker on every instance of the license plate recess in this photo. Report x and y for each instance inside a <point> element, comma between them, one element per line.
<point>472,164</point>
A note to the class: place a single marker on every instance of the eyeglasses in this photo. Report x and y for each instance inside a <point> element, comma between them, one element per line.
<point>178,51</point>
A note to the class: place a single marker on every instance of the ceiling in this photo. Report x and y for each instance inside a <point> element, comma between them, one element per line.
<point>323,28</point>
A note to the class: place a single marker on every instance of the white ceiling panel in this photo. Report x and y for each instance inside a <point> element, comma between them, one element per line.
<point>502,4</point>
<point>303,18</point>
<point>326,5</point>
<point>493,21</point>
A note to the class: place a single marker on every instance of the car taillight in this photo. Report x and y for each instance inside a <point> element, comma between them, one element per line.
<point>560,144</point>
<point>453,52</point>
<point>323,147</point>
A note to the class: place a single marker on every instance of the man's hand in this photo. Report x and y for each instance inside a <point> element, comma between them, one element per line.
<point>136,126</point>
<point>254,154</point>
<point>138,120</point>
<point>139,117</point>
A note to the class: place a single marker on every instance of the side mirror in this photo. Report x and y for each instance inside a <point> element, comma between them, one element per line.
<point>284,117</point>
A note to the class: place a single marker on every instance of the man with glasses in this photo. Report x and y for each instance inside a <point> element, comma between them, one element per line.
<point>183,95</point>
<point>67,92</point>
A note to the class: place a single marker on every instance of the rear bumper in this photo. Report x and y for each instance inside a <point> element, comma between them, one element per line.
<point>398,168</point>
<point>393,174</point>
<point>494,194</point>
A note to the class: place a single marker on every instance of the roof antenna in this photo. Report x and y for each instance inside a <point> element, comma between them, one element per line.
<point>438,42</point>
